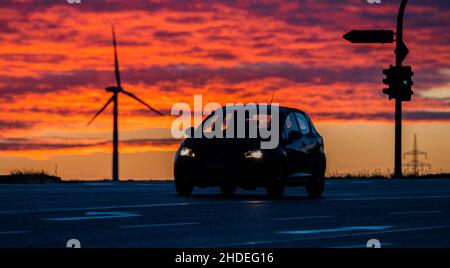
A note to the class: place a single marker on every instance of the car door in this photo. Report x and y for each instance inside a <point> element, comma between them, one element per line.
<point>292,147</point>
<point>307,143</point>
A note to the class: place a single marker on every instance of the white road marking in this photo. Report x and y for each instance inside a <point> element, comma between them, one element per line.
<point>388,198</point>
<point>336,192</point>
<point>31,211</point>
<point>299,218</point>
<point>334,230</point>
<point>364,245</point>
<point>302,238</point>
<point>415,212</point>
<point>97,216</point>
<point>14,232</point>
<point>160,225</point>
<point>25,211</point>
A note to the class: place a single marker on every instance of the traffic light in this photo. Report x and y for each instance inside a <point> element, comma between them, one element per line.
<point>389,80</point>
<point>399,80</point>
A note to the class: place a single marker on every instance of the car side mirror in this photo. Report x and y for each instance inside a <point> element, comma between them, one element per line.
<point>189,132</point>
<point>293,135</point>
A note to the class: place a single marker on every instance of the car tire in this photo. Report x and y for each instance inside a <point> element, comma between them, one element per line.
<point>183,186</point>
<point>276,186</point>
<point>316,187</point>
<point>227,189</point>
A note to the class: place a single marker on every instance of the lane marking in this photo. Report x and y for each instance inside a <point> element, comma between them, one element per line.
<point>215,202</point>
<point>390,198</point>
<point>14,232</point>
<point>334,192</point>
<point>289,240</point>
<point>299,218</point>
<point>334,230</point>
<point>159,225</point>
<point>31,211</point>
<point>363,245</point>
<point>415,212</point>
<point>97,216</point>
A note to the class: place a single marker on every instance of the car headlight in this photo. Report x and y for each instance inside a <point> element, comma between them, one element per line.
<point>188,152</point>
<point>255,154</point>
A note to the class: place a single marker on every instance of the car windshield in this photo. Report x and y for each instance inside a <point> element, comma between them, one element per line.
<point>227,119</point>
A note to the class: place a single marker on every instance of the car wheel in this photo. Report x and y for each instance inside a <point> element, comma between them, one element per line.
<point>276,186</point>
<point>227,189</point>
<point>315,187</point>
<point>183,186</point>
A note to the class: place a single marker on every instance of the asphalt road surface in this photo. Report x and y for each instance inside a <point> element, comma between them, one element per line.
<point>399,213</point>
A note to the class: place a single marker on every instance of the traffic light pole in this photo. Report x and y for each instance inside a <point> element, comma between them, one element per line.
<point>398,102</point>
<point>398,77</point>
<point>398,139</point>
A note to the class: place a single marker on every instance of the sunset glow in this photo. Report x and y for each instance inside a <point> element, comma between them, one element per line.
<point>56,59</point>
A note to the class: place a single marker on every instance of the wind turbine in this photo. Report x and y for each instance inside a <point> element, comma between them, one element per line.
<point>114,98</point>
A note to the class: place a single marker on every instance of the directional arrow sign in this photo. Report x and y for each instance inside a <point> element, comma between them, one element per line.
<point>370,36</point>
<point>401,51</point>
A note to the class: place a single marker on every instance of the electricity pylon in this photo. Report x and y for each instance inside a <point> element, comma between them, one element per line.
<point>415,163</point>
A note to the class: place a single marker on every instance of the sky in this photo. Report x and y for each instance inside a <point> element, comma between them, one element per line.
<point>56,59</point>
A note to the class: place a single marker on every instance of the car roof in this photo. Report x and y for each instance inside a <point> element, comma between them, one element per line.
<point>282,109</point>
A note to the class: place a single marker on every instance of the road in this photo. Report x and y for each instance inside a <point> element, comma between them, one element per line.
<point>399,213</point>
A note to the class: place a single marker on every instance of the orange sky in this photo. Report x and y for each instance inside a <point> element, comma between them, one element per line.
<point>56,59</point>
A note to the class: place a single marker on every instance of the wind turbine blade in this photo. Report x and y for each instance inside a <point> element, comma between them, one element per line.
<point>101,110</point>
<point>116,60</point>
<point>141,101</point>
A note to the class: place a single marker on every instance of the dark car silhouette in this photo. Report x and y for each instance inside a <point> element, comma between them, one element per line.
<point>297,160</point>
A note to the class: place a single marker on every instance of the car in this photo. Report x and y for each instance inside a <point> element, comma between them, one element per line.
<point>298,159</point>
